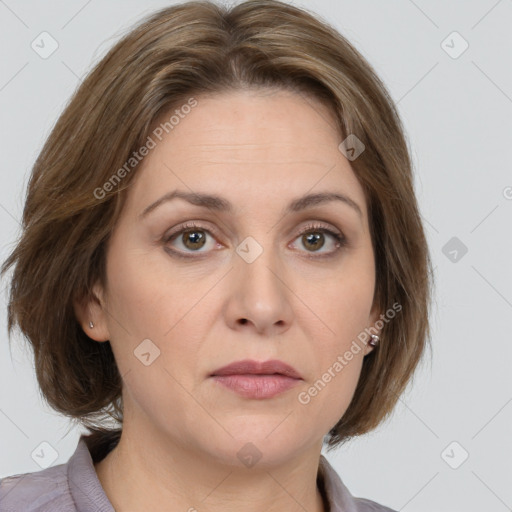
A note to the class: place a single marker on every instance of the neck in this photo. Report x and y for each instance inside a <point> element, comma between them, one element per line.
<point>165,476</point>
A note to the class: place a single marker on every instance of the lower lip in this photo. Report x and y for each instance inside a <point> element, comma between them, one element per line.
<point>257,386</point>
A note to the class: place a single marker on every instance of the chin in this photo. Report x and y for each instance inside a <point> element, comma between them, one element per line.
<point>262,445</point>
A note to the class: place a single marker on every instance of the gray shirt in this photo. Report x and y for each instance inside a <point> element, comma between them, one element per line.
<point>75,487</point>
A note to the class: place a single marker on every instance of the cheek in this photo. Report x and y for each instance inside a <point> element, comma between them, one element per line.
<point>343,304</point>
<point>338,359</point>
<point>326,398</point>
<point>144,295</point>
<point>147,300</point>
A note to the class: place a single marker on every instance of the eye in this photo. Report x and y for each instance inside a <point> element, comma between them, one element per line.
<point>312,237</point>
<point>191,237</point>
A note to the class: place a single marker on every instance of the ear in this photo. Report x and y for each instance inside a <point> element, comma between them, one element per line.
<point>92,309</point>
<point>372,319</point>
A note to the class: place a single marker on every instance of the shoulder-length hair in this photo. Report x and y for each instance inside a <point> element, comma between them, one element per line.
<point>79,180</point>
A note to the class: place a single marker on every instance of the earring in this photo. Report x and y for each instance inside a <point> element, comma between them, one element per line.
<point>374,341</point>
<point>91,325</point>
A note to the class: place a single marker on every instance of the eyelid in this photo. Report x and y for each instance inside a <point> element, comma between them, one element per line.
<point>189,225</point>
<point>319,225</point>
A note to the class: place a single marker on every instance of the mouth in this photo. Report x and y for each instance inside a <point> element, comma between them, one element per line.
<point>250,367</point>
<point>257,380</point>
<point>257,386</point>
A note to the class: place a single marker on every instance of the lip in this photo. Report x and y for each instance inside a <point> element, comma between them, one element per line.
<point>251,367</point>
<point>257,380</point>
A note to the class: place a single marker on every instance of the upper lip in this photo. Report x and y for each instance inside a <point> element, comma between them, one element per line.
<point>248,366</point>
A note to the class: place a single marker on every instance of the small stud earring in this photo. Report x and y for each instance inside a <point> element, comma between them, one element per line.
<point>374,341</point>
<point>91,325</point>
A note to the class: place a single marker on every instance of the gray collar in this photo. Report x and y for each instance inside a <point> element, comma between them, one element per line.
<point>89,495</point>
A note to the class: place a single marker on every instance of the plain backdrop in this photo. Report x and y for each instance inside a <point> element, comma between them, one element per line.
<point>447,446</point>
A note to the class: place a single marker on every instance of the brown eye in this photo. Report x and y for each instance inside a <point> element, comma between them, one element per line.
<point>314,241</point>
<point>193,239</point>
<point>313,238</point>
<point>188,239</point>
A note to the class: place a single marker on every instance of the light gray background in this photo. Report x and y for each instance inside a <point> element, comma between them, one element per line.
<point>458,116</point>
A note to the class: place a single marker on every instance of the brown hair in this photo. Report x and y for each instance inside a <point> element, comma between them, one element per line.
<point>188,49</point>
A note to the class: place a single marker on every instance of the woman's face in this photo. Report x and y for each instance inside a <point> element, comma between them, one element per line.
<point>257,280</point>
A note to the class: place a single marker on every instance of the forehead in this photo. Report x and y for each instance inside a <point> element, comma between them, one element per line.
<point>245,145</point>
<point>267,125</point>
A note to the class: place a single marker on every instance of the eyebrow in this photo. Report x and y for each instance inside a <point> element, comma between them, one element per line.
<point>221,204</point>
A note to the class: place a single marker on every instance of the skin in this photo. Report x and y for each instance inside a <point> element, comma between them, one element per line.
<point>259,149</point>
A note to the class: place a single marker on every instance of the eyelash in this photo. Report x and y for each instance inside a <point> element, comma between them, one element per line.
<point>340,239</point>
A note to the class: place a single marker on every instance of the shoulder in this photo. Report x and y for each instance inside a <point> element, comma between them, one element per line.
<point>67,487</point>
<point>43,491</point>
<point>365,505</point>
<point>339,498</point>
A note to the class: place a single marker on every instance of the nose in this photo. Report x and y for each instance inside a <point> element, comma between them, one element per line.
<point>260,297</point>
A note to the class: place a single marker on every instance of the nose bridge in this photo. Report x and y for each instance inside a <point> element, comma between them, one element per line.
<point>260,277</point>
<point>258,260</point>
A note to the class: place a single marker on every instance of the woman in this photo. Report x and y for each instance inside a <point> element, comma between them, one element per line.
<point>222,251</point>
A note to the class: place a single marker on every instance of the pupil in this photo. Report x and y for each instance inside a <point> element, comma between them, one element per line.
<point>194,237</point>
<point>314,239</point>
